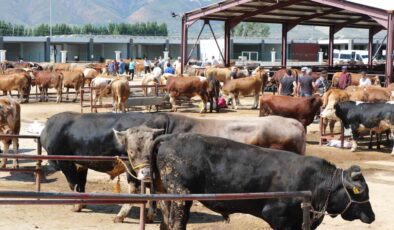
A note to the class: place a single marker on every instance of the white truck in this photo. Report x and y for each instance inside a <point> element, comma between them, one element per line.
<point>350,57</point>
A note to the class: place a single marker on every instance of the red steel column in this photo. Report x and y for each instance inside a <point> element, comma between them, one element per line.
<point>389,48</point>
<point>284,45</point>
<point>227,36</point>
<point>331,46</point>
<point>183,44</point>
<point>370,46</point>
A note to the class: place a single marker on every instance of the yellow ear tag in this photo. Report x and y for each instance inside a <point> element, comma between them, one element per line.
<point>355,190</point>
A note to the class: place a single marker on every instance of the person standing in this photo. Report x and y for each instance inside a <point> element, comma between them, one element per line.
<point>132,68</point>
<point>364,80</point>
<point>345,79</point>
<point>122,67</point>
<point>288,84</point>
<point>169,69</point>
<point>305,83</point>
<point>111,67</point>
<point>147,65</point>
<point>322,85</point>
<point>214,62</point>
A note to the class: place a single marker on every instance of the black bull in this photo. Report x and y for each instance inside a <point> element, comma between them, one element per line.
<point>92,134</point>
<point>193,163</point>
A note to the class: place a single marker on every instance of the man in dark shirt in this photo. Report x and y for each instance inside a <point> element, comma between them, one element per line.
<point>287,84</point>
<point>305,83</point>
<point>234,73</point>
<point>345,79</point>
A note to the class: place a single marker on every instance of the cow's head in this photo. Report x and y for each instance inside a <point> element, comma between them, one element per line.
<point>137,142</point>
<point>351,197</point>
<point>7,112</point>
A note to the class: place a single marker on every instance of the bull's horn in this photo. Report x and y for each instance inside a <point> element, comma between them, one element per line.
<point>355,175</point>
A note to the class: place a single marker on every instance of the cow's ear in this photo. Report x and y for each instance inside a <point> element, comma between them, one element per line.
<point>121,137</point>
<point>354,180</point>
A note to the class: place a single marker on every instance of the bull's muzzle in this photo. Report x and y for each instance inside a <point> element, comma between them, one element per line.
<point>143,173</point>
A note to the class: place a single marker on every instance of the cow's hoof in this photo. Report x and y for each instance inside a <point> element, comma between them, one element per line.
<point>118,219</point>
<point>78,208</point>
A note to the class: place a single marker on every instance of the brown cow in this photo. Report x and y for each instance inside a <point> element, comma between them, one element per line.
<point>278,75</point>
<point>120,90</point>
<point>20,82</point>
<point>302,109</point>
<point>45,80</point>
<point>10,123</point>
<point>61,67</point>
<point>188,87</point>
<point>246,86</point>
<point>73,80</point>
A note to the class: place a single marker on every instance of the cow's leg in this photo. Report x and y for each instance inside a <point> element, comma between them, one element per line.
<point>256,101</point>
<point>180,210</point>
<point>233,101</point>
<point>76,94</point>
<point>59,96</point>
<point>204,98</point>
<point>6,147</point>
<point>41,94</point>
<point>165,207</point>
<point>275,212</point>
<point>15,147</point>
<point>173,103</point>
<point>332,125</point>
<point>371,133</point>
<point>355,135</point>
<point>82,174</point>
<point>46,94</point>
<point>67,91</point>
<point>76,178</point>
<point>210,103</point>
<point>126,208</point>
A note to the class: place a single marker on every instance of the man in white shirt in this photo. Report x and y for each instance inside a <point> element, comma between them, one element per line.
<point>157,72</point>
<point>364,80</point>
<point>214,62</point>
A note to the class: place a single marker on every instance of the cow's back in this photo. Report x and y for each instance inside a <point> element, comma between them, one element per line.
<point>71,133</point>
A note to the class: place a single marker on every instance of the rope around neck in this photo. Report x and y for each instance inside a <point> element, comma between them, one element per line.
<point>318,214</point>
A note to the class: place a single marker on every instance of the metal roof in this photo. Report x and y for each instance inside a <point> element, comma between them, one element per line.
<point>336,13</point>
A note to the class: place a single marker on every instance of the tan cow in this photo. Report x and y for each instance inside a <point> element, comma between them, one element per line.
<point>45,80</point>
<point>73,80</point>
<point>20,82</point>
<point>246,86</point>
<point>188,87</point>
<point>220,74</point>
<point>120,90</point>
<point>61,67</point>
<point>10,123</point>
<point>89,74</point>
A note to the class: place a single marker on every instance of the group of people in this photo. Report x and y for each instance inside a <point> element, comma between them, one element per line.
<point>306,85</point>
<point>159,66</point>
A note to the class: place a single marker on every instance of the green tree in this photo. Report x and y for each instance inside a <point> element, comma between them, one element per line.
<point>247,29</point>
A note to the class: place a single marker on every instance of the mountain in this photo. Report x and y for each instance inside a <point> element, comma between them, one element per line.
<point>78,12</point>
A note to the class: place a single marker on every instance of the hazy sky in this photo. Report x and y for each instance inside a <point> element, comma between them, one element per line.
<point>383,4</point>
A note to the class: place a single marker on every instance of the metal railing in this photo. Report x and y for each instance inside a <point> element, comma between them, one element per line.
<point>51,198</point>
<point>89,90</point>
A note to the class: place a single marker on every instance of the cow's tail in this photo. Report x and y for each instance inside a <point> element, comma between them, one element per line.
<point>155,174</point>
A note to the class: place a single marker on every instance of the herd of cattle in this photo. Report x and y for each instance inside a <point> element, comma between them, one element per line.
<point>185,155</point>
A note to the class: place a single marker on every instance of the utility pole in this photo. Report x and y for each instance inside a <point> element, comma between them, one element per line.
<point>50,18</point>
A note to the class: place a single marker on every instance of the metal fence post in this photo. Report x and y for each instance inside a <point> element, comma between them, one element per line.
<point>306,211</point>
<point>38,166</point>
<point>142,208</point>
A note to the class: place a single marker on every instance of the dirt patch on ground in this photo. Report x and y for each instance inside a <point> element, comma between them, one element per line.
<point>377,166</point>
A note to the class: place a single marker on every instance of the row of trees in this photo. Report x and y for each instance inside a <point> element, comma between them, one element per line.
<point>251,29</point>
<point>141,29</point>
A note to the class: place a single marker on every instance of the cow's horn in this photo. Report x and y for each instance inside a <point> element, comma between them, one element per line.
<point>355,175</point>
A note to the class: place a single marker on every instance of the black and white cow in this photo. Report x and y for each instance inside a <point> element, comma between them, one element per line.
<point>91,135</point>
<point>376,117</point>
<point>189,163</point>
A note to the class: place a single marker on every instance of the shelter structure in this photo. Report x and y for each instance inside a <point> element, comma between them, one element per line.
<point>335,14</point>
